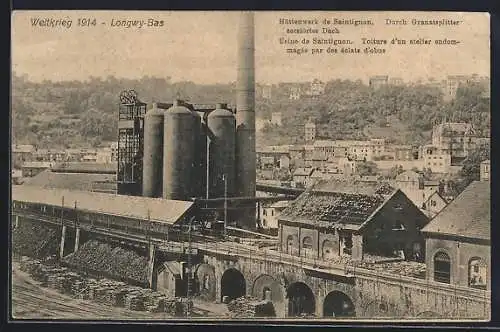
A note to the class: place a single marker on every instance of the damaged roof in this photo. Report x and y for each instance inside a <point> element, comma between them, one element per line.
<point>468,215</point>
<point>355,186</point>
<point>349,203</point>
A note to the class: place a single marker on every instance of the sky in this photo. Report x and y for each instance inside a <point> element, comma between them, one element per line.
<point>201,47</point>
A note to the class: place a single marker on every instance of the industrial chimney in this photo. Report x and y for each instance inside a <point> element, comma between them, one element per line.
<point>245,118</point>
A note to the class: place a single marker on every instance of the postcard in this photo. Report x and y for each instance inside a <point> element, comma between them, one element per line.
<point>269,165</point>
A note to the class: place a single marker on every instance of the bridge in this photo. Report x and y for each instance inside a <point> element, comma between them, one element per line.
<point>278,189</point>
<point>297,286</point>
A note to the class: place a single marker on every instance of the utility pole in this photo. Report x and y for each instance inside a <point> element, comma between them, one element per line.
<point>63,232</point>
<point>189,267</point>
<point>62,212</point>
<point>77,230</point>
<point>224,178</point>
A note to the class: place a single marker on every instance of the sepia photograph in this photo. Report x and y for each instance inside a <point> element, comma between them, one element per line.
<point>276,166</point>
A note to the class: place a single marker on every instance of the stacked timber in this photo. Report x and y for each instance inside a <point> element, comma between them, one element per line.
<point>106,291</point>
<point>77,287</point>
<point>248,306</point>
<point>116,298</point>
<point>134,301</point>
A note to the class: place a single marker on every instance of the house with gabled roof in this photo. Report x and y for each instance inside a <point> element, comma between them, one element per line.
<point>434,204</point>
<point>301,175</point>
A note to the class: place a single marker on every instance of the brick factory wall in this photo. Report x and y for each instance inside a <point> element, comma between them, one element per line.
<point>384,297</point>
<point>460,254</point>
<point>313,234</point>
<point>333,237</point>
<point>285,232</point>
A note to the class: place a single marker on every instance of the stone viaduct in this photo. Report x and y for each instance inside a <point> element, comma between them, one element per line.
<point>297,287</point>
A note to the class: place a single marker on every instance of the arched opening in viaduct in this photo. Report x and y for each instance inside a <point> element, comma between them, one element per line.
<point>206,282</point>
<point>233,284</point>
<point>301,300</point>
<point>338,304</point>
<point>265,287</point>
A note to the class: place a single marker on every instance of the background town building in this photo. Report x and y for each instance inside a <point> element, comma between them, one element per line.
<point>485,170</point>
<point>376,82</point>
<point>310,131</point>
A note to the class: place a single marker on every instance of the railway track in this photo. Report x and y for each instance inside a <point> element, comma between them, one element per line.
<point>32,301</point>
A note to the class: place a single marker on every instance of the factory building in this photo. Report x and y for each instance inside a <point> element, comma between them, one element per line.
<point>458,243</point>
<point>352,219</point>
<point>184,151</point>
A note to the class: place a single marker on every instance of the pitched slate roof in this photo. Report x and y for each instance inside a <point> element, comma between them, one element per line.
<point>71,181</point>
<point>143,208</point>
<point>468,215</point>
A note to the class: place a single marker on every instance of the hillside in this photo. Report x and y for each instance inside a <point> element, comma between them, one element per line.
<point>403,114</point>
<point>74,113</point>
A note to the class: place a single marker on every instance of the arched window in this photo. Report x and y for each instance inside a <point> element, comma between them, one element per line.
<point>307,243</point>
<point>307,247</point>
<point>327,250</point>
<point>289,244</point>
<point>442,267</point>
<point>477,273</point>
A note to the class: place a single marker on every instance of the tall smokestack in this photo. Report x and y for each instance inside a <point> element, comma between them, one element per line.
<point>245,118</point>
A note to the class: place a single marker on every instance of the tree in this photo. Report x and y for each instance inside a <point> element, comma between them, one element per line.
<point>395,171</point>
<point>367,168</point>
<point>282,174</point>
<point>427,172</point>
<point>471,167</point>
